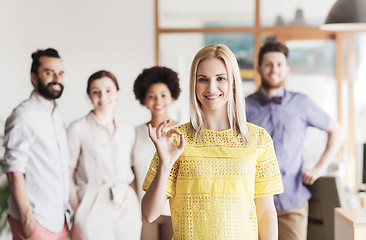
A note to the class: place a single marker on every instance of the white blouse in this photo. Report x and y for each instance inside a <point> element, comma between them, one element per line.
<point>109,207</point>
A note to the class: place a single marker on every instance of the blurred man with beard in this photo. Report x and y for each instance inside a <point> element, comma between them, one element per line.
<point>36,156</point>
<point>286,116</point>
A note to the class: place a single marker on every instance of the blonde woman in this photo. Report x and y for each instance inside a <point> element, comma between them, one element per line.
<point>218,171</point>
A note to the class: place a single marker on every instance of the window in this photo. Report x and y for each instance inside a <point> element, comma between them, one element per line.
<point>321,61</point>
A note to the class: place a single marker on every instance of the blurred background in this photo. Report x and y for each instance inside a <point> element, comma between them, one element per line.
<point>126,36</point>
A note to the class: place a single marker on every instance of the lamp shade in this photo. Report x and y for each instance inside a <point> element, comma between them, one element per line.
<point>346,15</point>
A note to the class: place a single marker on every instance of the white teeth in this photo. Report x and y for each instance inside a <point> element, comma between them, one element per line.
<point>212,97</point>
<point>56,87</point>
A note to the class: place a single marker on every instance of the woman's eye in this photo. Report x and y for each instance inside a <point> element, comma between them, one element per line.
<point>221,79</point>
<point>202,80</point>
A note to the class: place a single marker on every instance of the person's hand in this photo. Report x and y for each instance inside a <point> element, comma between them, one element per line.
<point>310,176</point>
<point>168,152</point>
<point>76,233</point>
<point>29,225</point>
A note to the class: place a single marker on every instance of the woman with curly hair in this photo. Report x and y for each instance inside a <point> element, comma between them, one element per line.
<point>156,88</point>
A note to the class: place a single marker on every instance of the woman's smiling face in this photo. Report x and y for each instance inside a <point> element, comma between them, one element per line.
<point>212,86</point>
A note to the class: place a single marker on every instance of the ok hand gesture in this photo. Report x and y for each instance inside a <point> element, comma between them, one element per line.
<point>167,151</point>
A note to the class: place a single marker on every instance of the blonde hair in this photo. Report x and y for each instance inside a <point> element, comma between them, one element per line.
<point>235,106</point>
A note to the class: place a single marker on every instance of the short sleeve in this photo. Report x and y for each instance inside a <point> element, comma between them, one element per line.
<point>316,117</point>
<point>17,141</point>
<point>171,183</point>
<point>267,177</point>
<point>74,145</point>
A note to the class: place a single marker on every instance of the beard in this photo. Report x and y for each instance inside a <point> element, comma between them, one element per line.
<point>47,92</point>
<point>268,85</point>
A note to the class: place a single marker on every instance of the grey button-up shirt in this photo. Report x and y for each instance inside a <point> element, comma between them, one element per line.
<point>287,123</point>
<point>36,145</point>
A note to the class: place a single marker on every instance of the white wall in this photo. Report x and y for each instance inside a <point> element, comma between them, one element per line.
<point>116,35</point>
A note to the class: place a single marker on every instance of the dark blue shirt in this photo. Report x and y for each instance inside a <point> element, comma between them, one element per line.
<point>287,122</point>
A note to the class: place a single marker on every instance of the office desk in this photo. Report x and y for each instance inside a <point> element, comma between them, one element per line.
<point>350,224</point>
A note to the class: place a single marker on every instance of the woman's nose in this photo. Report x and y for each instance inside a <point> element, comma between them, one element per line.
<point>211,85</point>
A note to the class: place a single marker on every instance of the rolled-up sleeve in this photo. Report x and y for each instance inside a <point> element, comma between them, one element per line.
<point>18,138</point>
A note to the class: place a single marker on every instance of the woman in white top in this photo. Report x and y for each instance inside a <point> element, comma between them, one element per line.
<point>156,88</point>
<point>101,186</point>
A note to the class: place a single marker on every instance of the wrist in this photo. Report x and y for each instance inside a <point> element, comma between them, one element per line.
<point>164,169</point>
<point>26,216</point>
<point>320,167</point>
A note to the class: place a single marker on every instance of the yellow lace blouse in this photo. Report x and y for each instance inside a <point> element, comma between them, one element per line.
<point>213,184</point>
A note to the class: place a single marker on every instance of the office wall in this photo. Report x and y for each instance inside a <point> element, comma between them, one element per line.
<point>116,35</point>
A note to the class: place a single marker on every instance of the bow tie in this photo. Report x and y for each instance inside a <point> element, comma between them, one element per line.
<point>264,100</point>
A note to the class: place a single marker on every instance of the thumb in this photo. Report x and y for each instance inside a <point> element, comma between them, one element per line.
<point>182,142</point>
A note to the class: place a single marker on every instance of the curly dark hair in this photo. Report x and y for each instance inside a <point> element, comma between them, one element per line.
<point>150,76</point>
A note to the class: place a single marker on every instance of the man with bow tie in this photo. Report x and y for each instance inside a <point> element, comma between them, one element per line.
<point>286,116</point>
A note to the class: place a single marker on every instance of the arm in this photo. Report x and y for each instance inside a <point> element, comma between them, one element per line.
<point>267,218</point>
<point>335,139</point>
<point>75,233</point>
<point>74,201</point>
<point>18,191</point>
<point>154,200</point>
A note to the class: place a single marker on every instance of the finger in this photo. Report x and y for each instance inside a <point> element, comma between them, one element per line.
<point>313,179</point>
<point>308,180</point>
<point>151,135</point>
<point>163,131</point>
<point>304,181</point>
<point>173,131</point>
<point>304,178</point>
<point>160,128</point>
<point>182,141</point>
